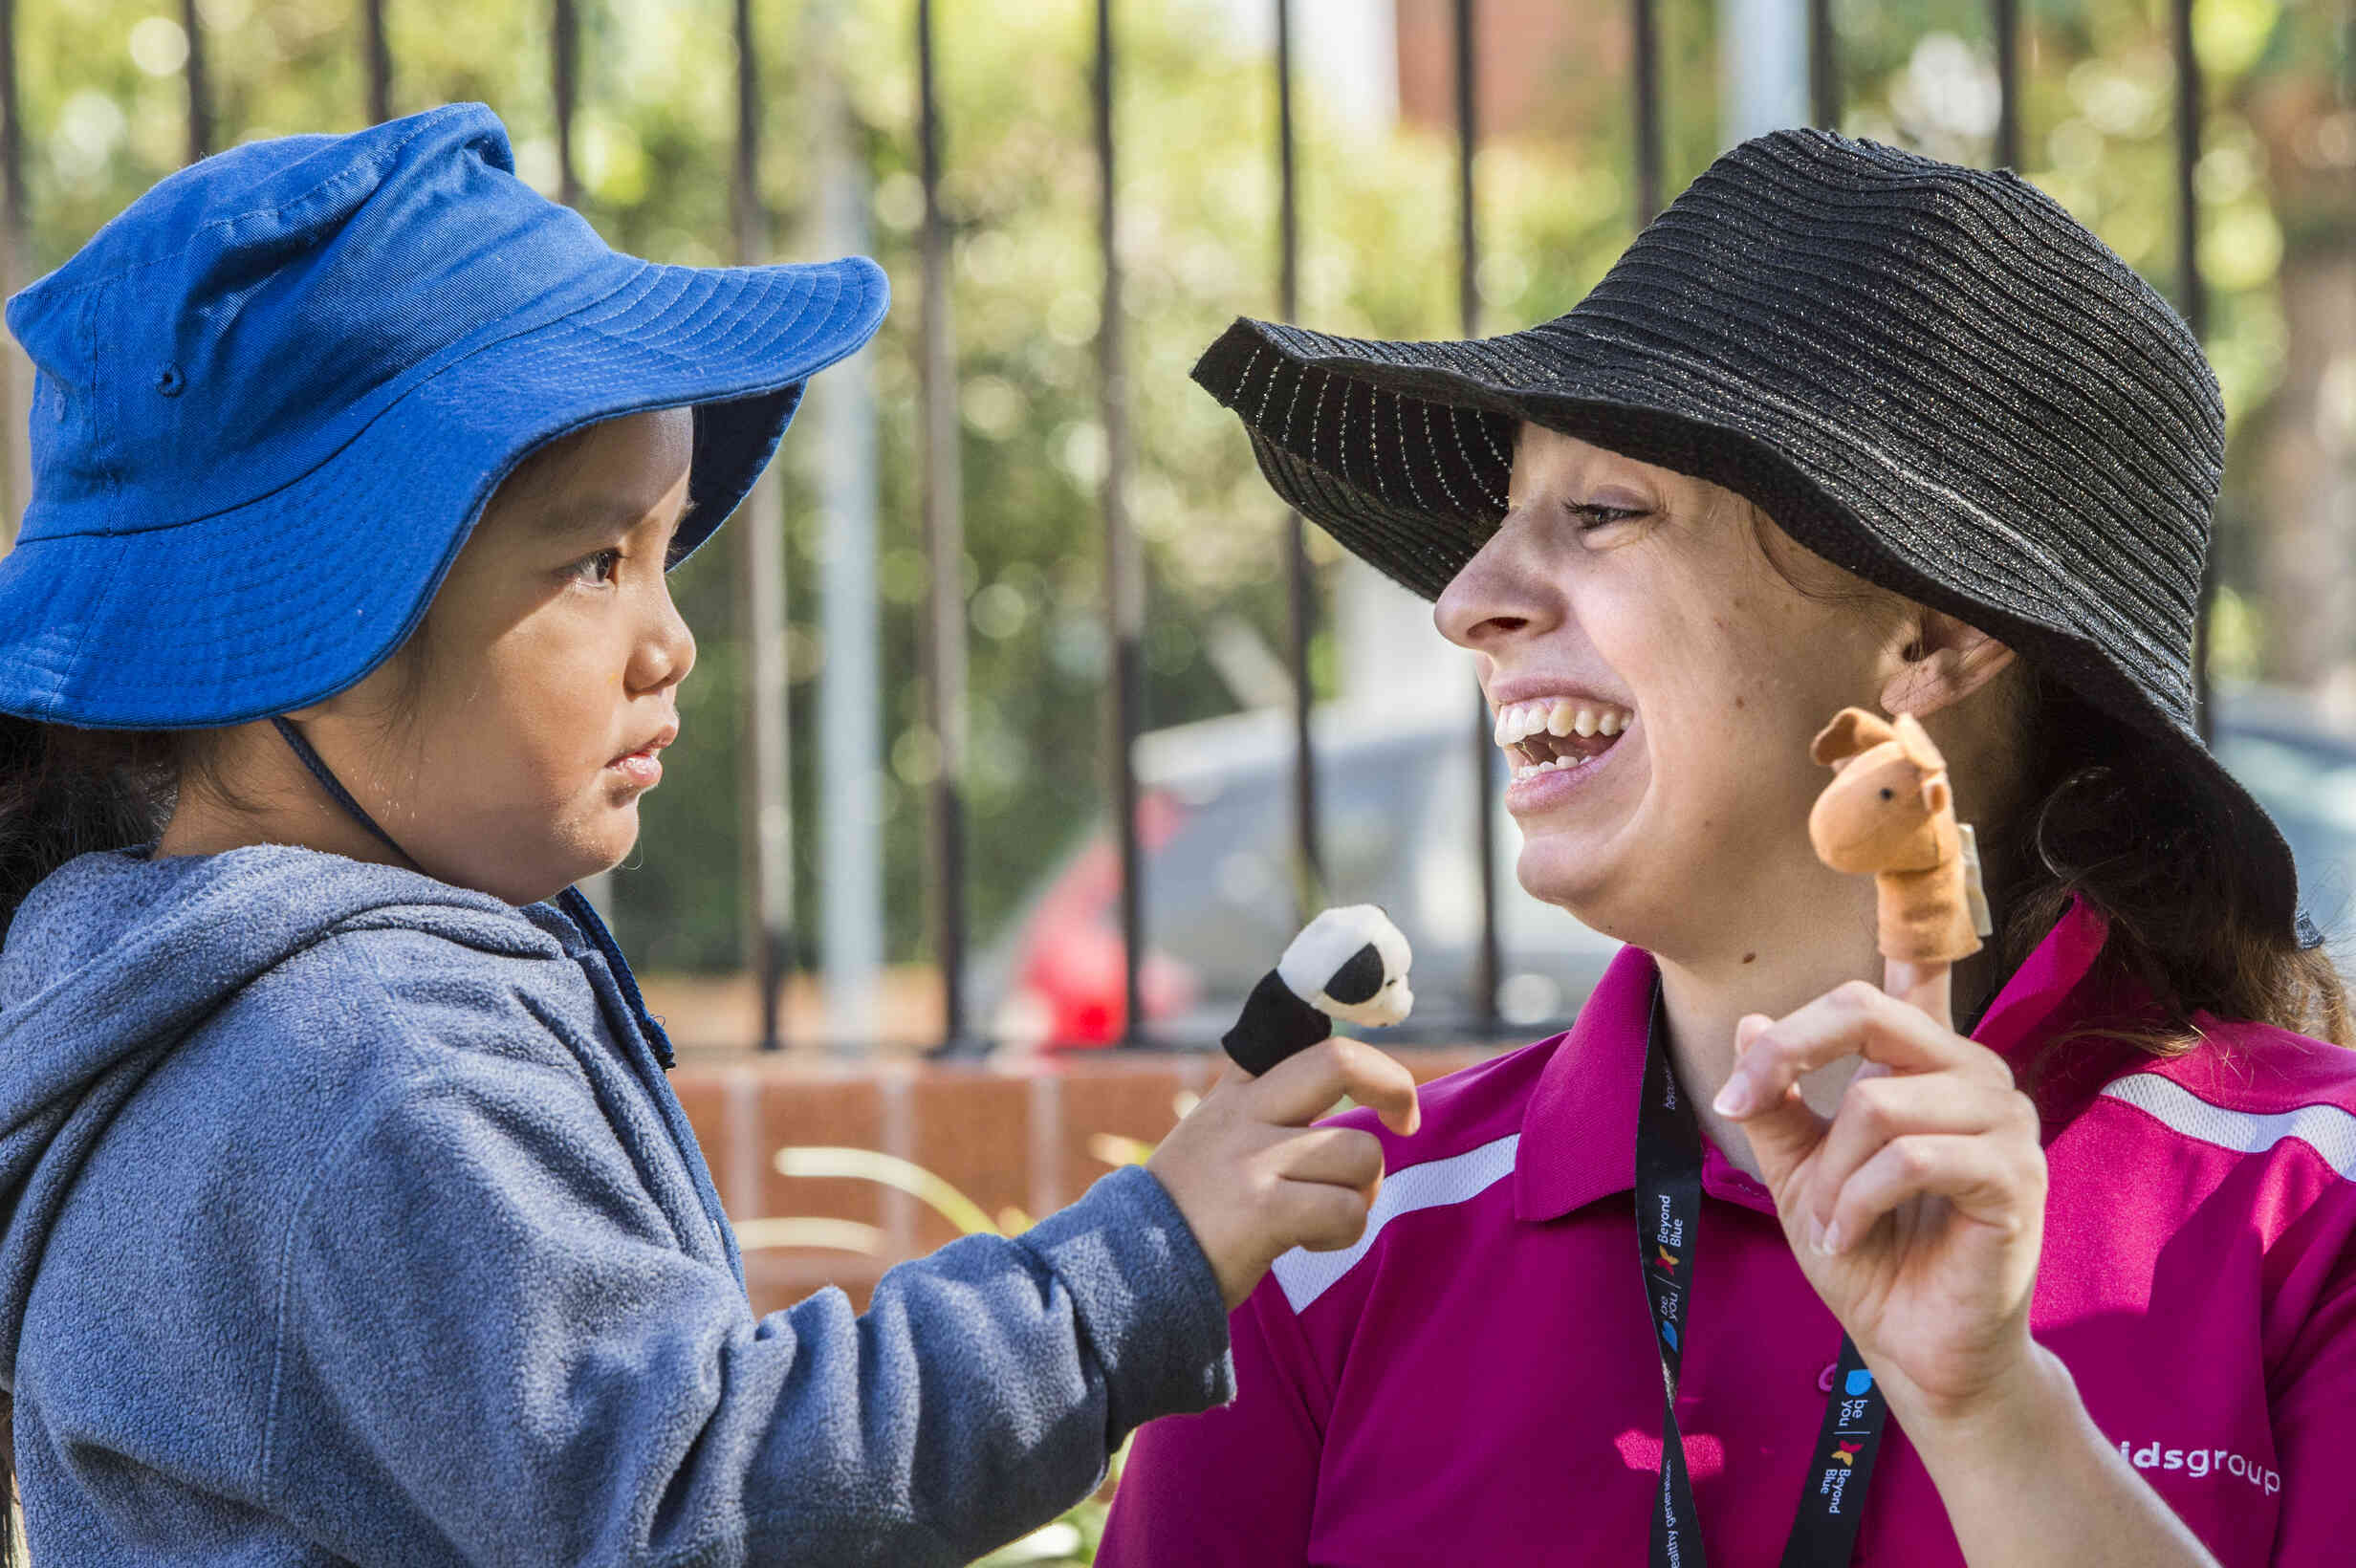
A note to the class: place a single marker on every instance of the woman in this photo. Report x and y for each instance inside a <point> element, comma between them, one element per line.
<point>1844,426</point>
<point>348,1215</point>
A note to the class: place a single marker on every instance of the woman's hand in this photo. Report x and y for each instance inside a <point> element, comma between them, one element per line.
<point>1917,1212</point>
<point>1254,1179</point>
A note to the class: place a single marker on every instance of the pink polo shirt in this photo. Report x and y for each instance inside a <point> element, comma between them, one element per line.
<point>1474,1382</point>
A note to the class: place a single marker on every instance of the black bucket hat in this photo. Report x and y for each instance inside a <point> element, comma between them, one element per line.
<point>1929,375</point>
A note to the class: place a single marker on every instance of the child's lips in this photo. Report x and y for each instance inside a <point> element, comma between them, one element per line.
<point>646,751</point>
<point>644,766</point>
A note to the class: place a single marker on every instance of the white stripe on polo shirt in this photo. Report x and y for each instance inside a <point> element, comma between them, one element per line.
<point>2326,1129</point>
<point>1306,1276</point>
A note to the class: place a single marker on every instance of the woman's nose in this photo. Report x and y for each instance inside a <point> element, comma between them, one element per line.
<point>1501,590</point>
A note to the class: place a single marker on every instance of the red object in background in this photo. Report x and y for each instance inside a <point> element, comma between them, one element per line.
<point>1070,963</point>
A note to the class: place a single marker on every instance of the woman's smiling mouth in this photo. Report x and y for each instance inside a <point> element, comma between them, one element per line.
<point>1554,744</point>
<point>1545,734</point>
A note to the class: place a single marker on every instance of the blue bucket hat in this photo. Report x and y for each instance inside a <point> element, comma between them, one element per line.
<point>274,395</point>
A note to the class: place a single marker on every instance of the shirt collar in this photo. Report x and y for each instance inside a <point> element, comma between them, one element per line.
<point>1579,1129</point>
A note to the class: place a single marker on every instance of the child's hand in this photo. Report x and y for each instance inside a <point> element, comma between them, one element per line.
<point>1254,1180</point>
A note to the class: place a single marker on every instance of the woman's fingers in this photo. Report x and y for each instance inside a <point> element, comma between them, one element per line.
<point>1986,1179</point>
<point>1875,1110</point>
<point>1304,1087</point>
<point>1783,1131</point>
<point>1853,1019</point>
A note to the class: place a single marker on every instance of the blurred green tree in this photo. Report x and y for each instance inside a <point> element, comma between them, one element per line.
<point>105,116</point>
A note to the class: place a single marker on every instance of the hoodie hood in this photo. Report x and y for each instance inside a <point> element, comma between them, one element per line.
<point>115,957</point>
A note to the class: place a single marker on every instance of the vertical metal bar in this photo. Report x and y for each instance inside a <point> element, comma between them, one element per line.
<point>944,648</point>
<point>766,779</point>
<point>2192,296</point>
<point>564,55</point>
<point>1300,584</point>
<point>199,92</point>
<point>15,259</point>
<point>1468,142</point>
<point>2006,24</point>
<point>1487,965</point>
<point>850,730</point>
<point>1644,28</point>
<point>564,48</point>
<point>380,61</point>
<point>1125,579</point>
<point>2193,292</point>
<point>2347,53</point>
<point>1823,67</point>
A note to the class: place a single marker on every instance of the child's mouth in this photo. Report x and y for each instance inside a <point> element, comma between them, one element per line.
<point>643,766</point>
<point>639,768</point>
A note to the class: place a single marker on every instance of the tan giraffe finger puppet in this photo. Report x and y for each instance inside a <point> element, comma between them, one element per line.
<point>1890,811</point>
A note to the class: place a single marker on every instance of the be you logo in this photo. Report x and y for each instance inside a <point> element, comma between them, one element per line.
<point>2203,1462</point>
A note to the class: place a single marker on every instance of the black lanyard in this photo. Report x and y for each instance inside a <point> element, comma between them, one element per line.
<point>1669,1212</point>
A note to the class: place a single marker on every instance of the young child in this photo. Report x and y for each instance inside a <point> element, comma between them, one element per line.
<point>349,1217</point>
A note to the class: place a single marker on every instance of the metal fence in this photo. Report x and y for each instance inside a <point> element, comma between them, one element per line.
<point>759,536</point>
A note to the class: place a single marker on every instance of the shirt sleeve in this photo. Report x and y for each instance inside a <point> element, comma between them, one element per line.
<point>1238,1485</point>
<point>488,1321</point>
<point>2313,1409</point>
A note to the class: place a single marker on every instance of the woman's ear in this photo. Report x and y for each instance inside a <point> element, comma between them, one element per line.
<point>1943,661</point>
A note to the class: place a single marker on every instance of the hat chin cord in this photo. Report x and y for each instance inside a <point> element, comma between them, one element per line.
<point>336,791</point>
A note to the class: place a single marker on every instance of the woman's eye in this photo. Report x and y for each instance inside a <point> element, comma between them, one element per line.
<point>596,568</point>
<point>1591,516</point>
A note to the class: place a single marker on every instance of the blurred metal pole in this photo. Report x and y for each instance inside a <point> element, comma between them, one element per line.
<point>15,262</point>
<point>564,54</point>
<point>766,782</point>
<point>2193,299</point>
<point>2192,293</point>
<point>199,92</point>
<point>1645,63</point>
<point>2005,22</point>
<point>564,59</point>
<point>1124,577</point>
<point>1487,965</point>
<point>850,741</point>
<point>380,61</point>
<point>1823,67</point>
<point>944,649</point>
<point>1309,890</point>
<point>1764,48</point>
<point>1468,142</point>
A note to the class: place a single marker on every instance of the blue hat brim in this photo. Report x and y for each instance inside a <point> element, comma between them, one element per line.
<point>284,600</point>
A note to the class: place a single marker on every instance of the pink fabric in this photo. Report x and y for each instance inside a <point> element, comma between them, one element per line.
<point>1478,1386</point>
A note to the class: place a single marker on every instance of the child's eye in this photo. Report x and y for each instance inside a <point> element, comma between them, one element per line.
<point>596,568</point>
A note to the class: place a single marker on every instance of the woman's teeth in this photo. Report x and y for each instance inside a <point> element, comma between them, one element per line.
<point>1550,734</point>
<point>1517,722</point>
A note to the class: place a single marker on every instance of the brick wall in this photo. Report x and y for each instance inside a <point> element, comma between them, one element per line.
<point>1004,1136</point>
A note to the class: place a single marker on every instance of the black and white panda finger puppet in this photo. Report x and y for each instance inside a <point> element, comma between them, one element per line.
<point>1349,963</point>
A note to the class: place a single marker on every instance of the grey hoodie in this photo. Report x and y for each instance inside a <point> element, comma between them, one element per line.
<point>349,1218</point>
